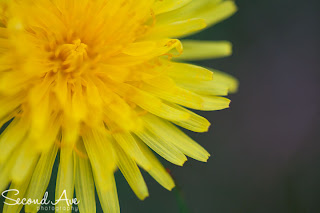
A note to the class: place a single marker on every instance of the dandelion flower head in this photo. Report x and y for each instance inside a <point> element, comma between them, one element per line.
<point>104,82</point>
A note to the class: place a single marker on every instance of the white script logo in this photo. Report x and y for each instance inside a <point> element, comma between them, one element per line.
<point>44,201</point>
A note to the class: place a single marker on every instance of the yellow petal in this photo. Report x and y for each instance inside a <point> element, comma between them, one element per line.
<point>12,82</point>
<point>162,44</point>
<point>202,50</point>
<point>140,48</point>
<point>185,98</point>
<point>188,72</point>
<point>157,171</point>
<point>167,131</point>
<point>223,78</point>
<point>175,95</point>
<point>24,163</point>
<point>177,29</point>
<point>116,109</point>
<point>7,105</point>
<point>162,147</point>
<point>131,172</point>
<point>211,103</point>
<point>95,102</point>
<point>79,109</point>
<point>163,6</point>
<point>39,99</point>
<point>8,117</point>
<point>109,199</point>
<point>204,87</point>
<point>3,32</point>
<point>188,99</point>
<point>61,89</point>
<point>41,177</point>
<point>12,137</point>
<point>4,43</point>
<point>214,13</point>
<point>211,11</point>
<point>221,84</point>
<point>194,123</point>
<point>150,103</point>
<point>49,137</point>
<point>4,177</point>
<point>21,189</point>
<point>5,168</point>
<point>130,146</point>
<point>84,184</point>
<point>161,81</point>
<point>70,133</point>
<point>65,181</point>
<point>100,152</point>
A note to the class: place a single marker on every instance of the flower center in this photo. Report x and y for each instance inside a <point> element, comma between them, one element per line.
<point>72,55</point>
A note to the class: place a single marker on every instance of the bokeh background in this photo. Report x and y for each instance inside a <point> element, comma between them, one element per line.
<point>265,148</point>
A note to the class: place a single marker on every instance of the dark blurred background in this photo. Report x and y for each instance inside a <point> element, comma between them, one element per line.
<point>265,148</point>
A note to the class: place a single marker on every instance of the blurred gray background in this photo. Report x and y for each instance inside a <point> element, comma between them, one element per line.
<point>265,148</point>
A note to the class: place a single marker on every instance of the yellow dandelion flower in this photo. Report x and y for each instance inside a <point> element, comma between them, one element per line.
<point>102,82</point>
